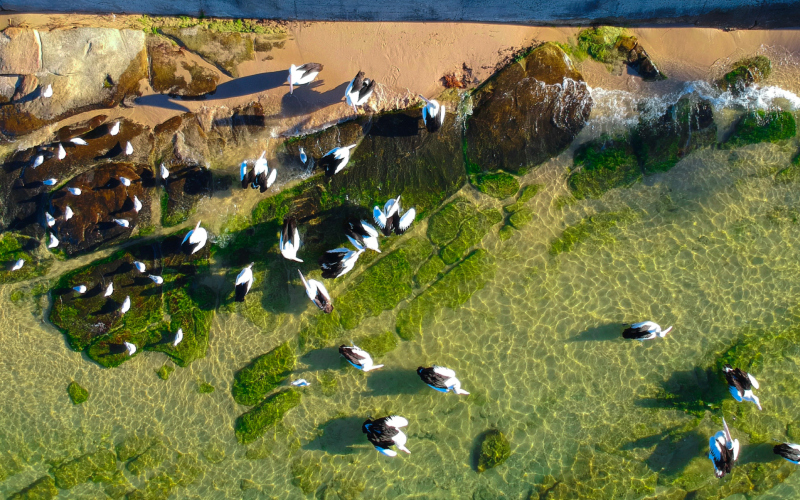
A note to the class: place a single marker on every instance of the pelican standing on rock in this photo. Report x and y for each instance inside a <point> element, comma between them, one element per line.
<point>194,240</point>
<point>385,432</point>
<point>51,221</point>
<point>301,75</point>
<point>74,191</point>
<point>646,330</point>
<point>53,241</point>
<point>789,451</point>
<point>362,235</point>
<point>114,128</point>
<point>137,205</point>
<point>130,348</point>
<point>18,265</point>
<point>164,172</point>
<point>243,282</point>
<point>335,160</point>
<point>68,213</point>
<point>724,451</point>
<point>442,379</point>
<point>78,141</point>
<point>48,92</point>
<point>125,181</point>
<point>109,290</point>
<point>61,152</point>
<point>80,288</point>
<point>38,161</point>
<point>389,218</point>
<point>741,385</point>
<point>358,357</point>
<point>432,115</point>
<point>290,239</point>
<point>158,280</point>
<point>126,305</point>
<point>178,337</point>
<point>318,294</point>
<point>139,266</point>
<point>50,182</point>
<point>338,262</point>
<point>128,149</point>
<point>122,222</point>
<point>359,91</point>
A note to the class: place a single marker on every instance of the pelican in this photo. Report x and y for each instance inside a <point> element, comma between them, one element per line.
<point>256,178</point>
<point>389,218</point>
<point>53,241</point>
<point>271,179</point>
<point>137,205</point>
<point>432,115</point>
<point>741,385</point>
<point>130,348</point>
<point>301,75</point>
<point>114,128</point>
<point>128,148</point>
<point>75,191</point>
<point>158,280</point>
<point>338,262</point>
<point>139,266</point>
<point>68,213</point>
<point>80,288</point>
<point>789,451</point>
<point>244,281</point>
<point>178,337</point>
<point>126,305</point>
<point>78,141</point>
<point>18,265</point>
<point>317,293</point>
<point>442,379</point>
<point>50,220</point>
<point>303,157</point>
<point>61,152</point>
<point>385,432</point>
<point>194,240</point>
<point>290,239</point>
<point>335,160</point>
<point>359,91</point>
<point>50,182</point>
<point>125,181</point>
<point>645,330</point>
<point>724,451</point>
<point>164,171</point>
<point>362,235</point>
<point>358,357</point>
<point>122,222</point>
<point>38,161</point>
<point>109,290</point>
<point>301,382</point>
<point>48,92</point>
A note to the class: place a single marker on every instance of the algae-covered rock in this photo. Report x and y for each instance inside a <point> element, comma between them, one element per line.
<point>506,232</point>
<point>263,374</point>
<point>443,225</point>
<point>153,456</point>
<point>746,72</point>
<point>528,192</point>
<point>226,50</point>
<point>132,446</point>
<point>118,486</point>
<point>520,218</point>
<point>762,126</point>
<point>251,425</point>
<point>92,466</point>
<point>495,449</point>
<point>307,475</point>
<point>429,270</point>
<point>499,185</point>
<point>172,72</point>
<point>165,371</point>
<point>595,227</point>
<point>378,344</point>
<point>529,112</point>
<point>205,388</point>
<point>77,393</point>
<point>470,233</point>
<point>603,164</point>
<point>43,488</point>
<point>17,246</point>
<point>452,290</point>
<point>158,487</point>
<point>610,45</point>
<point>185,186</point>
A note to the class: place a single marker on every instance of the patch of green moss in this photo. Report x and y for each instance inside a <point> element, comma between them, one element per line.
<point>149,459</point>
<point>379,344</point>
<point>746,72</point>
<point>429,270</point>
<point>319,331</point>
<point>495,449</point>
<point>470,233</point>
<point>43,488</point>
<point>307,475</point>
<point>165,371</point>
<point>595,227</point>
<point>17,295</point>
<point>762,126</point>
<point>77,393</point>
<point>92,466</point>
<point>175,216</point>
<point>264,373</point>
<point>151,24</point>
<point>443,225</point>
<point>496,184</point>
<point>158,487</point>
<point>788,174</point>
<point>213,453</point>
<point>603,164</point>
<point>521,218</point>
<point>132,446</point>
<point>600,43</point>
<point>205,388</point>
<point>329,383</point>
<point>506,232</point>
<point>13,247</point>
<point>185,470</point>
<point>251,425</point>
<point>452,290</point>
<point>528,192</point>
<point>118,486</point>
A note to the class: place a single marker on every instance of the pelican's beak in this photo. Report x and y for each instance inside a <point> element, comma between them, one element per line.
<point>665,332</point>
<point>291,85</point>
<point>403,448</point>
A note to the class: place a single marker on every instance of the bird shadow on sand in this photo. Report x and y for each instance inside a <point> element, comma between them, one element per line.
<point>389,382</point>
<point>160,101</point>
<point>611,331</point>
<point>327,358</point>
<point>673,450</point>
<point>757,453</point>
<point>692,391</point>
<point>340,436</point>
<point>248,85</point>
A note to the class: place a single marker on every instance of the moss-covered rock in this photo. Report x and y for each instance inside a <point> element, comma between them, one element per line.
<point>225,50</point>
<point>452,290</point>
<point>471,232</point>
<point>186,185</point>
<point>77,393</point>
<point>92,466</point>
<point>443,225</point>
<point>204,388</point>
<point>378,344</point>
<point>528,192</point>
<point>762,126</point>
<point>506,232</point>
<point>307,475</point>
<point>603,164</point>
<point>153,456</point>
<point>159,487</point>
<point>496,184</point>
<point>595,227</point>
<point>495,449</point>
<point>43,488</point>
<point>165,371</point>
<point>131,447</point>
<point>746,72</point>
<point>612,45</point>
<point>429,270</point>
<point>253,382</point>
<point>521,218</point>
<point>17,246</point>
<point>172,72</point>
<point>10,465</point>
<point>251,425</point>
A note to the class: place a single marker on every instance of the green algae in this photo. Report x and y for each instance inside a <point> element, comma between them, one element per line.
<point>528,192</point>
<point>253,382</point>
<point>307,475</point>
<point>118,486</point>
<point>158,487</point>
<point>494,450</point>
<point>603,164</point>
<point>600,43</point>
<point>89,467</point>
<point>498,185</point>
<point>319,331</point>
<point>443,225</point>
<point>43,488</point>
<point>15,246</point>
<point>470,233</point>
<point>595,227</point>
<point>745,72</point>
<point>153,456</point>
<point>451,291</point>
<point>506,232</point>
<point>521,218</point>
<point>165,371</point>
<point>762,126</point>
<point>428,271</point>
<point>10,465</point>
<point>213,453</point>
<point>204,388</point>
<point>378,344</point>
<point>131,447</point>
<point>252,425</point>
<point>77,393</point>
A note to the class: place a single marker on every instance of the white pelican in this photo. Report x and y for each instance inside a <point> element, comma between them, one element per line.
<point>125,181</point>
<point>51,221</point>
<point>158,280</point>
<point>178,338</point>
<point>78,141</point>
<point>303,157</point>
<point>789,451</point>
<point>359,91</point>
<point>362,235</point>
<point>80,288</point>
<point>301,75</point>
<point>130,348</point>
<point>164,171</point>
<point>301,382</point>
<point>137,205</point>
<point>53,241</point>
<point>290,239</point>
<point>48,92</point>
<point>385,432</point>
<point>645,330</point>
<point>61,152</point>
<point>122,222</point>
<point>258,176</point>
<point>389,219</point>
<point>114,128</point>
<point>38,161</point>
<point>139,266</point>
<point>741,385</point>
<point>358,357</point>
<point>126,305</point>
<point>109,290</point>
<point>68,213</point>
<point>18,265</point>
<point>317,293</point>
<point>338,262</point>
<point>432,114</point>
<point>194,240</point>
<point>724,451</point>
<point>244,281</point>
<point>335,160</point>
<point>75,191</point>
<point>50,182</point>
<point>128,148</point>
<point>442,379</point>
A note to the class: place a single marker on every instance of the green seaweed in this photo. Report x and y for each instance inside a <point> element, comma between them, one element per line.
<point>158,487</point>
<point>132,446</point>
<point>91,466</point>
<point>746,72</point>
<point>496,184</point>
<point>165,371</point>
<point>253,382</point>
<point>506,232</point>
<point>13,247</point>
<point>428,271</point>
<point>378,344</point>
<point>307,475</point>
<point>443,225</point>
<point>43,488</point>
<point>521,218</point>
<point>762,126</point>
<point>600,43</point>
<point>603,164</point>
<point>595,227</point>
<point>77,393</point>
<point>204,388</point>
<point>251,425</point>
<point>528,192</point>
<point>149,459</point>
<point>470,233</point>
<point>495,449</point>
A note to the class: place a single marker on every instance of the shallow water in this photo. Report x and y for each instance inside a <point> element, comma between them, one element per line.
<point>538,348</point>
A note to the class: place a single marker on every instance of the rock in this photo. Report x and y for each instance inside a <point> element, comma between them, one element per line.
<point>529,112</point>
<point>165,371</point>
<point>458,226</point>
<point>378,344</point>
<point>20,51</point>
<point>264,373</point>
<point>8,87</point>
<point>603,164</point>
<point>745,73</point>
<point>131,447</point>
<point>15,246</point>
<point>499,185</point>
<point>172,72</point>
<point>26,86</point>
<point>226,50</point>
<point>594,227</point>
<point>495,449</point>
<point>77,393</point>
<point>762,126</point>
<point>92,466</point>
<point>251,425</point>
<point>43,488</point>
<point>520,218</point>
<point>150,458</point>
<point>638,59</point>
<point>429,270</point>
<point>307,475</point>
<point>205,388</point>
<point>610,45</point>
<point>186,185</point>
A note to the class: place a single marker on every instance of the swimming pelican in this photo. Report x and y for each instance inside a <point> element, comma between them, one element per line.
<point>139,266</point>
<point>194,240</point>
<point>48,92</point>
<point>75,191</point>
<point>53,241</point>
<point>18,265</point>
<point>178,337</point>
<point>724,451</point>
<point>389,218</point>
<point>78,141</point>
<point>80,288</point>
<point>442,379</point>
<point>338,262</point>
<point>301,75</point>
<point>158,280</point>
<point>128,148</point>
<point>290,239</point>
<point>122,222</point>
<point>385,432</point>
<point>68,213</point>
<point>432,115</point>
<point>359,91</point>
<point>335,160</point>
<point>51,221</point>
<point>38,161</point>
<point>109,290</point>
<point>789,451</point>
<point>126,305</point>
<point>362,235</point>
<point>50,182</point>
<point>130,348</point>
<point>244,281</point>
<point>645,330</point>
<point>358,357</point>
<point>741,385</point>
<point>137,205</point>
<point>164,171</point>
<point>125,181</point>
<point>317,293</point>
<point>114,128</point>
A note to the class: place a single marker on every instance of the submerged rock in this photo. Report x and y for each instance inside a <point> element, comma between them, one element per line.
<point>14,247</point>
<point>253,382</point>
<point>602,164</point>
<point>43,488</point>
<point>93,466</point>
<point>745,73</point>
<point>529,112</point>
<point>77,393</point>
<point>172,72</point>
<point>252,425</point>
<point>459,226</point>
<point>495,449</point>
<point>186,185</point>
<point>498,185</point>
<point>226,50</point>
<point>762,126</point>
<point>596,227</point>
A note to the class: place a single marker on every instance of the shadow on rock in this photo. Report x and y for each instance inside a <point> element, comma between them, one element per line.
<point>339,436</point>
<point>611,331</point>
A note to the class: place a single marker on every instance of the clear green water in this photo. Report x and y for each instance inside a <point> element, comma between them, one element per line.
<point>538,348</point>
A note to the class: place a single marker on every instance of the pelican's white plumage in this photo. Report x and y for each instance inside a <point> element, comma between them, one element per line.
<point>114,128</point>
<point>432,115</point>
<point>442,379</point>
<point>50,182</point>
<point>68,213</point>
<point>126,305</point>
<point>362,235</point>
<point>178,338</point>
<point>788,451</point>
<point>80,288</point>
<point>301,75</point>
<point>75,191</point>
<point>48,92</point>
<point>130,348</point>
<point>62,153</point>
<point>338,262</point>
<point>51,221</point>
<point>358,357</point>
<point>78,141</point>
<point>125,181</point>
<point>196,238</point>
<point>359,91</point>
<point>724,451</point>
<point>389,219</point>
<point>244,281</point>
<point>139,266</point>
<point>137,205</point>
<point>336,159</point>
<point>18,265</point>
<point>290,239</point>
<point>272,176</point>
<point>741,385</point>
<point>385,432</point>
<point>318,294</point>
<point>645,330</point>
<point>122,222</point>
<point>164,171</point>
<point>53,241</point>
<point>38,161</point>
<point>109,290</point>
<point>303,157</point>
<point>158,280</point>
<point>128,148</point>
